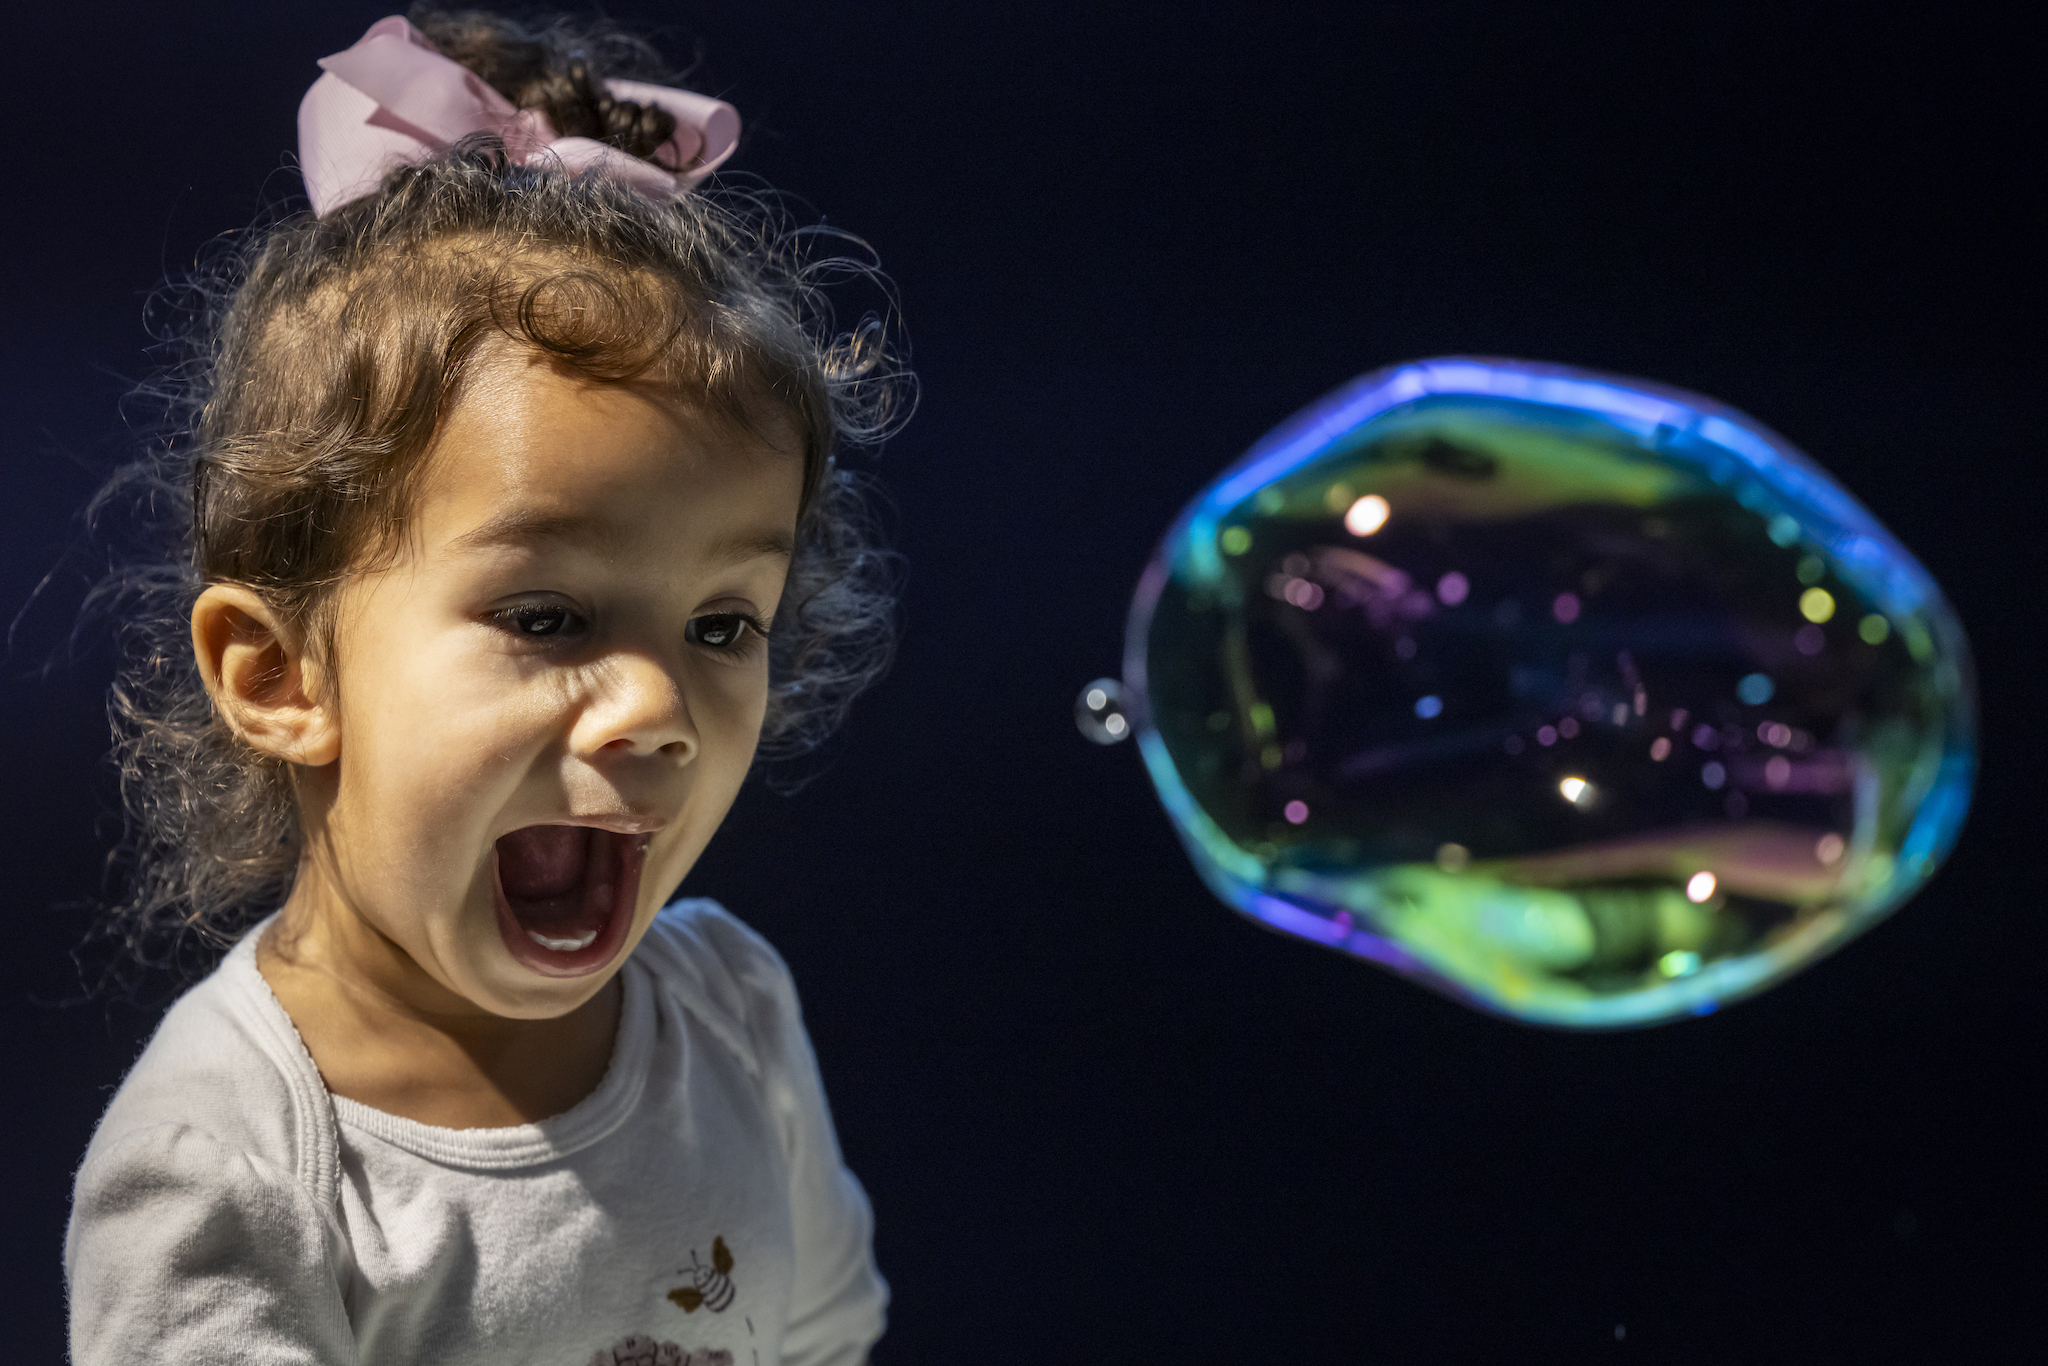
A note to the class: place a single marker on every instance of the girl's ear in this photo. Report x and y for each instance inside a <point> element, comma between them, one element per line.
<point>260,679</point>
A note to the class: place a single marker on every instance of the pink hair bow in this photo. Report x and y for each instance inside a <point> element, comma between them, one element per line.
<point>392,99</point>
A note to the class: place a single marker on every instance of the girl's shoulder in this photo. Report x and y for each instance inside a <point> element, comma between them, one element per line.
<point>225,1068</point>
<point>731,980</point>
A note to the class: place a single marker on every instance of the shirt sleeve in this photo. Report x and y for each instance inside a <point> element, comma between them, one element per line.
<point>838,1298</point>
<point>182,1249</point>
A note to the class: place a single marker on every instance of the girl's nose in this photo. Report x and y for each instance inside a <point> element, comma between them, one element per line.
<point>639,708</point>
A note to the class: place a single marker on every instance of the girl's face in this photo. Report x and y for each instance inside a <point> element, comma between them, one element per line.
<point>547,705</point>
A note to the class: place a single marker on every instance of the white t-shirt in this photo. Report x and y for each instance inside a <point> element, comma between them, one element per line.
<point>693,1210</point>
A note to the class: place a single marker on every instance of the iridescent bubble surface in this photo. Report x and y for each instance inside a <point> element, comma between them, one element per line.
<point>1584,700</point>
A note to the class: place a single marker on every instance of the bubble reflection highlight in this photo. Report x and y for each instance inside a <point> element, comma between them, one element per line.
<point>1582,700</point>
<point>1100,714</point>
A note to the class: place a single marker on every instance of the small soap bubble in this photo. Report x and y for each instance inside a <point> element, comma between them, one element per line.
<point>1099,712</point>
<point>1580,740</point>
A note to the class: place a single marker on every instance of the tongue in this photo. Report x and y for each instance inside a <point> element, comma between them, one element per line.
<point>542,869</point>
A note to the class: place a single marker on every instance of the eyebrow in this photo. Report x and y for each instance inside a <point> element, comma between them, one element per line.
<point>520,529</point>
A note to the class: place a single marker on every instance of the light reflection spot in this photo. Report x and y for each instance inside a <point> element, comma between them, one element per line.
<point>1296,812</point>
<point>1235,540</point>
<point>1829,849</point>
<point>1367,515</point>
<point>1576,790</point>
<point>1700,886</point>
<point>1429,707</point>
<point>1713,775</point>
<point>1565,607</point>
<point>1660,749</point>
<point>1546,735</point>
<point>1777,772</point>
<point>1816,605</point>
<point>1452,858</point>
<point>1874,629</point>
<point>1452,589</point>
<point>1303,594</point>
<point>1679,963</point>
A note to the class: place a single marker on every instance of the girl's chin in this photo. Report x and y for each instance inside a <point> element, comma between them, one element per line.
<point>565,896</point>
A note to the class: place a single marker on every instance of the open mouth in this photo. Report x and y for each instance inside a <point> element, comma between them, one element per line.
<point>566,895</point>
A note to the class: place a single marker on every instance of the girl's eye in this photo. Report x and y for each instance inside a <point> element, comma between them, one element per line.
<point>720,630</point>
<point>540,621</point>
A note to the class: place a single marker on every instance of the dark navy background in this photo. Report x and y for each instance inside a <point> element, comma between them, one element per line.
<point>1101,1117</point>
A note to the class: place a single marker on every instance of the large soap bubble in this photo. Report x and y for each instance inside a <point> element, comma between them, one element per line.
<point>1584,700</point>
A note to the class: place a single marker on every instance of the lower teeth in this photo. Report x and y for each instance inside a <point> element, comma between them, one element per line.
<point>581,941</point>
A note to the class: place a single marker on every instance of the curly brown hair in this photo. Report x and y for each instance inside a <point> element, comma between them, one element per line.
<point>325,354</point>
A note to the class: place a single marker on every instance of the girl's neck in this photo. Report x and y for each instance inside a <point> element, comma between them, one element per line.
<point>385,1034</point>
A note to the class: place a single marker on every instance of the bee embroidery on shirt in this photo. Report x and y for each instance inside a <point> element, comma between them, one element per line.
<point>710,1286</point>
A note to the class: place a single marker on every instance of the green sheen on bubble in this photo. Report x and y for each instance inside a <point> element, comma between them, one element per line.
<point>1519,681</point>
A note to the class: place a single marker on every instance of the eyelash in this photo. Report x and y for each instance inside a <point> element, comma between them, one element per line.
<point>519,621</point>
<point>752,634</point>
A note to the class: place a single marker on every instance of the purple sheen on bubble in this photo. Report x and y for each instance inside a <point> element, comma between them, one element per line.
<point>1549,547</point>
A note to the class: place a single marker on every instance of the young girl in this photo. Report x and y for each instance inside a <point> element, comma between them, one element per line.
<point>512,531</point>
